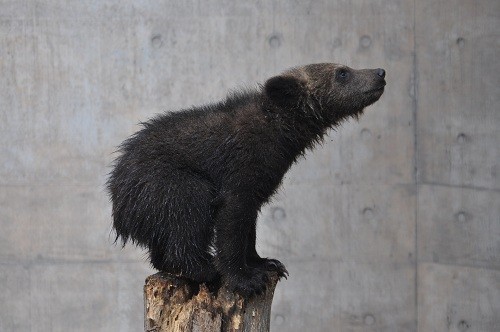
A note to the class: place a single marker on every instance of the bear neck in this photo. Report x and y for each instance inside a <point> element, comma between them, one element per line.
<point>301,126</point>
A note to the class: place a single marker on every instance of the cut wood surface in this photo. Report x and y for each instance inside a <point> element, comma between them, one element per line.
<point>174,304</point>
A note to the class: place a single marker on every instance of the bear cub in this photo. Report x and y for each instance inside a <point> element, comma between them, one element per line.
<point>189,185</point>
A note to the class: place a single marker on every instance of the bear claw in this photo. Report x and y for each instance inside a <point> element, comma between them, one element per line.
<point>274,265</point>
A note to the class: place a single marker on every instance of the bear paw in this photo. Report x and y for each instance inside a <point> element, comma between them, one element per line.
<point>272,265</point>
<point>249,283</point>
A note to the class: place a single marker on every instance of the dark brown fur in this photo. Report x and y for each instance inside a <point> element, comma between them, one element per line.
<point>189,185</point>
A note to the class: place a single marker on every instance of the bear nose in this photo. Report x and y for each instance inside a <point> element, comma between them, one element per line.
<point>381,72</point>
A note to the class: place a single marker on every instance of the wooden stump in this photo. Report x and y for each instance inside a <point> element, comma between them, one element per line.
<point>176,305</point>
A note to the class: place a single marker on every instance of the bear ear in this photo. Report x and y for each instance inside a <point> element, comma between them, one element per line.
<point>284,90</point>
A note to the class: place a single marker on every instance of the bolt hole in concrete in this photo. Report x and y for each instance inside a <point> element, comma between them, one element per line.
<point>368,213</point>
<point>279,319</point>
<point>463,325</point>
<point>460,42</point>
<point>462,138</point>
<point>366,133</point>
<point>462,216</point>
<point>365,41</point>
<point>337,42</point>
<point>278,214</point>
<point>156,41</point>
<point>369,319</point>
<point>275,40</point>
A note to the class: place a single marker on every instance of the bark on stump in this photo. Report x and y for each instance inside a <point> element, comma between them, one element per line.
<point>176,305</point>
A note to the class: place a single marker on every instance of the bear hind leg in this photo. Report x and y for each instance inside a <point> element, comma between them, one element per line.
<point>183,244</point>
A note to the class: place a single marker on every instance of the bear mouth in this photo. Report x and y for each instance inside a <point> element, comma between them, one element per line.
<point>374,94</point>
<point>377,89</point>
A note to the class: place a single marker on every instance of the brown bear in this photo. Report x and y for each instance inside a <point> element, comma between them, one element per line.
<point>189,186</point>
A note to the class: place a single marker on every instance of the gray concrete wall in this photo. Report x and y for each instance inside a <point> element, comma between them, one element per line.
<point>392,225</point>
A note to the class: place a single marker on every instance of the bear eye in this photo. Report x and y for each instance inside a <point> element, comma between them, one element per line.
<point>342,74</point>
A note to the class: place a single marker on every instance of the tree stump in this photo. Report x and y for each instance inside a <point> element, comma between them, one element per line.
<point>174,304</point>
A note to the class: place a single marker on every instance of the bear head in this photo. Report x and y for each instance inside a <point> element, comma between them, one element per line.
<point>326,91</point>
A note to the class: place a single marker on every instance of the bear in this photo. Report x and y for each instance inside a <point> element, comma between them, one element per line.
<point>188,187</point>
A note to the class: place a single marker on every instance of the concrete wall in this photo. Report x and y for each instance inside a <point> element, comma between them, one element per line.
<point>392,225</point>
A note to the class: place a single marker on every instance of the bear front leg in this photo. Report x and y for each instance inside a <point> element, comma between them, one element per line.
<point>234,221</point>
<point>252,255</point>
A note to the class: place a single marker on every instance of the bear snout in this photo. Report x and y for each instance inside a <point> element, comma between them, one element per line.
<point>379,80</point>
<point>375,82</point>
